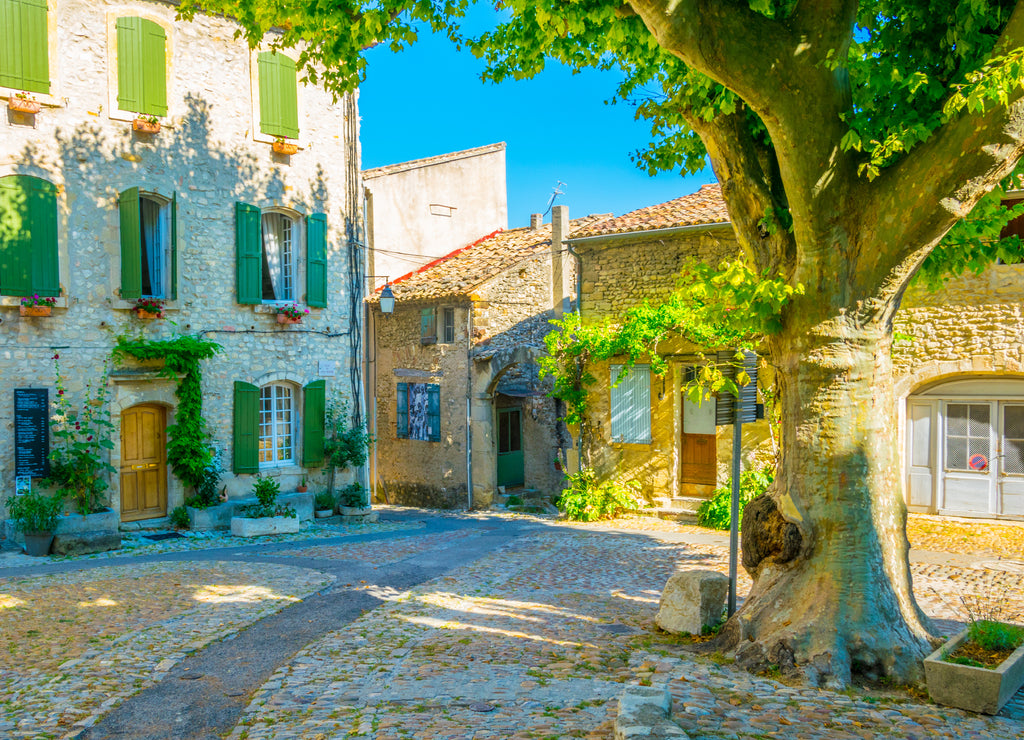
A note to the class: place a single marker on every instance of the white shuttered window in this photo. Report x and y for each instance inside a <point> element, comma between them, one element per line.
<point>631,405</point>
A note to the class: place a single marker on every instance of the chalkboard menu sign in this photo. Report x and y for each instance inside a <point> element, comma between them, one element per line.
<point>31,432</point>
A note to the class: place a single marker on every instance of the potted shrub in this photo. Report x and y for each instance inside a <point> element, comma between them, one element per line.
<point>35,516</point>
<point>352,500</point>
<point>302,487</point>
<point>323,505</point>
<point>978,669</point>
<point>265,516</point>
<point>282,146</point>
<point>146,124</point>
<point>37,306</point>
<point>345,444</point>
<point>22,102</point>
<point>291,313</point>
<point>148,308</point>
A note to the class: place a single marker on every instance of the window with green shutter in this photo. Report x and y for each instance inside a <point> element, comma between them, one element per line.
<point>248,253</point>
<point>24,46</point>
<point>314,407</point>
<point>148,251</point>
<point>29,262</point>
<point>316,260</point>
<point>247,428</point>
<point>279,101</point>
<point>141,66</point>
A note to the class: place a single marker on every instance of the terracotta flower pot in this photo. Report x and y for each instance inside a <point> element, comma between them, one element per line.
<point>35,310</point>
<point>285,147</point>
<point>285,319</point>
<point>146,315</point>
<point>21,105</point>
<point>146,127</point>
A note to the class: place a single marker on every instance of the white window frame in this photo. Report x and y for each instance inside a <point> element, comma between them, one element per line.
<point>291,425</point>
<point>291,271</point>
<point>630,405</point>
<point>164,221</point>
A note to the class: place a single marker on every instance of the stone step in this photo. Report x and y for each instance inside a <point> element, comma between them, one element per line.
<point>685,503</point>
<point>683,516</point>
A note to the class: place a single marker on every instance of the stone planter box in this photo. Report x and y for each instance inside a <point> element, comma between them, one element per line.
<point>354,510</point>
<point>323,513</point>
<point>357,514</point>
<point>80,535</point>
<point>243,527</point>
<point>968,687</point>
<point>210,518</point>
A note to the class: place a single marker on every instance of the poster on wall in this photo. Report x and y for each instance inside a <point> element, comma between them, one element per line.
<point>419,421</point>
<point>31,432</point>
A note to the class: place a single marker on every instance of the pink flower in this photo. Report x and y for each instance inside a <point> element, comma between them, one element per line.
<point>89,438</point>
<point>56,356</point>
<point>60,393</point>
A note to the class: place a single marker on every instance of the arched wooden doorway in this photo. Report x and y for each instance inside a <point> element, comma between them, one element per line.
<point>143,463</point>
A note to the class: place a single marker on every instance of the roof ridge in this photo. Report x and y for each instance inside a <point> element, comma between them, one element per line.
<point>444,258</point>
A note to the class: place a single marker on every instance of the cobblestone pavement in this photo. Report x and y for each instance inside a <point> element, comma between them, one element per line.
<point>537,639</point>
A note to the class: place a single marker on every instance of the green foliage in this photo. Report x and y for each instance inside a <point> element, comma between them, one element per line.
<point>34,513</point>
<point>995,636</point>
<point>188,440</point>
<point>81,443</point>
<point>324,500</point>
<point>179,517</point>
<point>346,444</point>
<point>206,493</point>
<point>715,512</point>
<point>353,495</point>
<point>587,500</point>
<point>266,489</point>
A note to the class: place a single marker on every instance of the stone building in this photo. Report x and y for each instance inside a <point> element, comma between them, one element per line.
<point>205,216</point>
<point>453,371</point>
<point>958,363</point>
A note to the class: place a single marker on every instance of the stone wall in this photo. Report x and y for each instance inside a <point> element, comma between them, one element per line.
<point>211,154</point>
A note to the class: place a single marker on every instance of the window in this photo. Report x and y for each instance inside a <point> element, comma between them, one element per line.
<point>268,251</point>
<point>419,411</point>
<point>267,422</point>
<point>631,404</point>
<point>148,245</point>
<point>141,66</point>
<point>24,46</point>
<point>279,109</point>
<point>28,237</point>
<point>428,326</point>
<point>449,325</point>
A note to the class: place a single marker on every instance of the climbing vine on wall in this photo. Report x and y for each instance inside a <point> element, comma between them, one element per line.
<point>728,306</point>
<point>188,439</point>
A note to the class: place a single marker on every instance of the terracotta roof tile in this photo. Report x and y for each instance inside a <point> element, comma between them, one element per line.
<point>706,206</point>
<point>460,272</point>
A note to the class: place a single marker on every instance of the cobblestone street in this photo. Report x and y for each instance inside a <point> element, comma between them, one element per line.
<point>535,638</point>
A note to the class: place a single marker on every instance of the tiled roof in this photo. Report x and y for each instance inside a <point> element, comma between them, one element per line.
<point>706,206</point>
<point>412,164</point>
<point>458,273</point>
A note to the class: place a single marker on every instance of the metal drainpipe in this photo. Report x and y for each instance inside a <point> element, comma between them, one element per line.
<point>579,312</point>
<point>469,407</point>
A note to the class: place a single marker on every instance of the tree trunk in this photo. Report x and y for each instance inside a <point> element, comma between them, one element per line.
<point>827,547</point>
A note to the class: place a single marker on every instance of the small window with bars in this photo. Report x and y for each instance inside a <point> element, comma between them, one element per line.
<point>968,437</point>
<point>428,326</point>
<point>449,325</point>
<point>631,404</point>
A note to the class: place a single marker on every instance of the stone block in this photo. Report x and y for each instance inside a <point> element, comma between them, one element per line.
<point>691,601</point>
<point>243,527</point>
<point>83,543</point>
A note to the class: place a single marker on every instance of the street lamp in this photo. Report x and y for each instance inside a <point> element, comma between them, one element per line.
<point>387,299</point>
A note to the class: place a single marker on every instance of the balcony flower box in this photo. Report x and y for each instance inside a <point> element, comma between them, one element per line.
<point>285,319</point>
<point>146,126</point>
<point>973,688</point>
<point>37,306</point>
<point>23,105</point>
<point>284,147</point>
<point>147,315</point>
<point>35,310</point>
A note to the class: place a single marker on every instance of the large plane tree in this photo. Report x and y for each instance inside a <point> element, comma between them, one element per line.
<point>849,138</point>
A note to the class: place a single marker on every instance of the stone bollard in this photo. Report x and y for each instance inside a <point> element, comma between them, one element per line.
<point>691,601</point>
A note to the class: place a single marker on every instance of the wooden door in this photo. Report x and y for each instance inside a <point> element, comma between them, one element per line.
<point>698,459</point>
<point>143,463</point>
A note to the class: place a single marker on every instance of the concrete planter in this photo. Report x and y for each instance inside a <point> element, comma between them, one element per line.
<point>323,513</point>
<point>80,535</point>
<point>354,510</point>
<point>968,687</point>
<point>244,527</point>
<point>210,518</point>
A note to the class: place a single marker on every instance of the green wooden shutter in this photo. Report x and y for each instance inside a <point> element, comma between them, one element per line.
<point>28,237</point>
<point>314,405</point>
<point>249,253</point>
<point>247,428</point>
<point>174,246</point>
<point>153,40</point>
<point>131,245</point>
<point>279,102</point>
<point>402,425</point>
<point>316,260</point>
<point>129,64</point>
<point>434,412</point>
<point>24,46</point>
<point>43,220</point>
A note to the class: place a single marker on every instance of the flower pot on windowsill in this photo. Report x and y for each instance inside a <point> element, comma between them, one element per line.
<point>146,315</point>
<point>285,147</point>
<point>286,319</point>
<point>301,489</point>
<point>23,105</point>
<point>146,127</point>
<point>35,310</point>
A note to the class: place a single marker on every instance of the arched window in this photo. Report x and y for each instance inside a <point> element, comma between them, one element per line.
<point>278,424</point>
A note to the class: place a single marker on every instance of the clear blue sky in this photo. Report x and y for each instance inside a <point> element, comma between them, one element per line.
<point>429,100</point>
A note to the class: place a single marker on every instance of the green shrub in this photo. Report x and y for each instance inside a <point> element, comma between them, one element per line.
<point>993,636</point>
<point>324,500</point>
<point>714,513</point>
<point>265,490</point>
<point>587,500</point>
<point>353,495</point>
<point>34,513</point>
<point>208,482</point>
<point>179,517</point>
<point>514,500</point>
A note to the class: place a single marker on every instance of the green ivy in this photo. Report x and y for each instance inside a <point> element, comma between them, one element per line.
<point>188,440</point>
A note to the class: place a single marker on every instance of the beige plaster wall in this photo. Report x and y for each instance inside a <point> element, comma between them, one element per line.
<point>206,153</point>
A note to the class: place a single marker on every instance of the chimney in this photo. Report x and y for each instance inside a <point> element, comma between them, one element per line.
<point>536,221</point>
<point>559,232</point>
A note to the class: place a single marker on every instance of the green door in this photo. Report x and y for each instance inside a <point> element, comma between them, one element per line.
<point>510,448</point>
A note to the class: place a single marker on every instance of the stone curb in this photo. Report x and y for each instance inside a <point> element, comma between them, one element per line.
<point>644,713</point>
